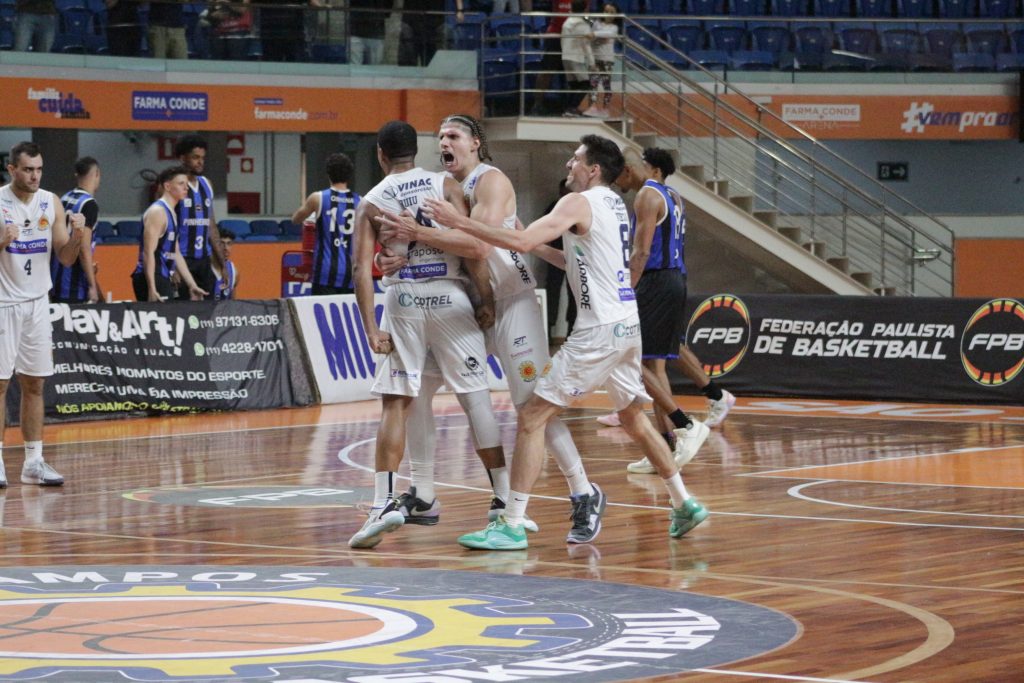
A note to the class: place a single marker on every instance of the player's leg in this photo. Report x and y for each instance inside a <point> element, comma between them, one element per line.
<point>34,364</point>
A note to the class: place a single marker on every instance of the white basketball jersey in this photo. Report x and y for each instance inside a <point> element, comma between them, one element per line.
<point>510,274</point>
<point>597,263</point>
<point>25,262</point>
<point>407,190</point>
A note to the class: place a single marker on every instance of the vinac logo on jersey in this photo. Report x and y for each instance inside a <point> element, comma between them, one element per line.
<point>992,346</point>
<point>719,333</point>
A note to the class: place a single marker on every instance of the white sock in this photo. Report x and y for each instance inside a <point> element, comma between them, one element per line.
<point>515,508</point>
<point>33,452</point>
<point>500,482</point>
<point>420,448</point>
<point>676,490</point>
<point>561,445</point>
<point>383,488</point>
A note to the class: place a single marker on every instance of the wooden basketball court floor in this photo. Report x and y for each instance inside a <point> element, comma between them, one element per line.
<point>893,534</point>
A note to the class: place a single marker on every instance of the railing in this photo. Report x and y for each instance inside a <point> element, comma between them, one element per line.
<point>783,169</point>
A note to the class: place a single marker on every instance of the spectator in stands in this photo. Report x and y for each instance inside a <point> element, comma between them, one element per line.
<point>76,284</point>
<point>505,7</point>
<point>36,25</point>
<point>167,30</point>
<point>227,275</point>
<point>552,59</point>
<point>366,45</point>
<point>123,31</point>
<point>283,30</point>
<point>425,18</point>
<point>604,30</point>
<point>577,57</point>
<point>231,26</point>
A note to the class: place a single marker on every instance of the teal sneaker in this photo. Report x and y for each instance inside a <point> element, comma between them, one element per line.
<point>498,535</point>
<point>685,518</point>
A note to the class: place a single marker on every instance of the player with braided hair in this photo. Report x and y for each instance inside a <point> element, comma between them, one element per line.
<point>518,337</point>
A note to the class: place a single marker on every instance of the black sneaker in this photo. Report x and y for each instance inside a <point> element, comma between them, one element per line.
<point>418,511</point>
<point>586,516</point>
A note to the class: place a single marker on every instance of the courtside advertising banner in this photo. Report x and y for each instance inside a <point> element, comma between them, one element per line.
<point>342,363</point>
<point>132,358</point>
<point>892,348</point>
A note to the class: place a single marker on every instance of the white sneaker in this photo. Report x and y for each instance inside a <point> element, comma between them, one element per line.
<point>641,466</point>
<point>689,441</point>
<point>40,473</point>
<point>717,410</point>
<point>3,476</point>
<point>381,521</point>
<point>610,420</point>
<point>498,509</point>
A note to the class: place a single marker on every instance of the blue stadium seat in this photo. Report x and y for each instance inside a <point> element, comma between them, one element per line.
<point>8,15</point>
<point>132,229</point>
<point>874,8</point>
<point>673,57</point>
<point>914,9</point>
<point>290,229</point>
<point>684,35</point>
<point>1009,61</point>
<point>74,30</point>
<point>196,35</point>
<point>985,38</point>
<point>711,59</point>
<point>501,85</point>
<point>709,8</point>
<point>726,35</point>
<point>857,37</point>
<point>260,238</point>
<point>769,36</point>
<point>899,39</point>
<point>642,34</point>
<point>752,60</point>
<point>507,34</point>
<point>328,53</point>
<point>832,8</point>
<point>790,8</point>
<point>469,34</point>
<point>971,62</point>
<point>942,40</point>
<point>996,9</point>
<point>663,7</point>
<point>239,227</point>
<point>265,227</point>
<point>748,8</point>
<point>103,229</point>
<point>1017,39</point>
<point>811,43</point>
<point>957,9</point>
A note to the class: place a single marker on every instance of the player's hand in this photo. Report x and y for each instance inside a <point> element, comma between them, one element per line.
<point>389,263</point>
<point>175,279</point>
<point>76,221</point>
<point>9,234</point>
<point>485,316</point>
<point>93,296</point>
<point>394,227</point>
<point>154,296</point>
<point>380,342</point>
<point>195,293</point>
<point>440,211</point>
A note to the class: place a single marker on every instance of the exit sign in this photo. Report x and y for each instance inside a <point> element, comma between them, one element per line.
<point>893,170</point>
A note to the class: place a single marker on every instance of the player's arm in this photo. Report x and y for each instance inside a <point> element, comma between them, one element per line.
<point>365,236</point>
<point>311,205</point>
<point>67,236</point>
<point>480,275</point>
<point>404,228</point>
<point>91,212</point>
<point>181,267</point>
<point>648,206</point>
<point>213,232</point>
<point>571,210</point>
<point>8,235</point>
<point>154,224</point>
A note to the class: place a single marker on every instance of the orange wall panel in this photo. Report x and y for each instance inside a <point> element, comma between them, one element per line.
<point>989,267</point>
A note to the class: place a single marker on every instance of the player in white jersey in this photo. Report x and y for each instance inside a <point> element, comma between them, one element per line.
<point>33,226</point>
<point>517,339</point>
<point>426,310</point>
<point>604,347</point>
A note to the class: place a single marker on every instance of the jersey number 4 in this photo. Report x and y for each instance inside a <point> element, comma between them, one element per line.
<point>28,267</point>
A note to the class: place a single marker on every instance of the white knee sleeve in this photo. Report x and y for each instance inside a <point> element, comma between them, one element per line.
<point>482,422</point>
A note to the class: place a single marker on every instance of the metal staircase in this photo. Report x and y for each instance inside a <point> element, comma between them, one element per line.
<point>733,149</point>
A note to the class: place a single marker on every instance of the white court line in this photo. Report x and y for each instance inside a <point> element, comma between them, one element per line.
<point>797,492</point>
<point>344,456</point>
<point>781,677</point>
<point>972,449</point>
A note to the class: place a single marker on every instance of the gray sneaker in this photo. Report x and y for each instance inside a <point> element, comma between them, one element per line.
<point>40,473</point>
<point>381,521</point>
<point>586,516</point>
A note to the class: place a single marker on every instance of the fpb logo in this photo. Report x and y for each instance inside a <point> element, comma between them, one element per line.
<point>719,333</point>
<point>992,346</point>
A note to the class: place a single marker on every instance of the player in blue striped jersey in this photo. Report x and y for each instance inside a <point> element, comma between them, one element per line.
<point>76,283</point>
<point>334,209</point>
<point>197,227</point>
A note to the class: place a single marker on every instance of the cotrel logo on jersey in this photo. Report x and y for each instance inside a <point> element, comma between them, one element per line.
<point>234,624</point>
<point>719,333</point>
<point>992,346</point>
